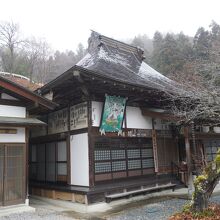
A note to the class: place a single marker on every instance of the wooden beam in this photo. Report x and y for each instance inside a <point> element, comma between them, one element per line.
<point>25,93</point>
<point>12,102</point>
<point>160,115</point>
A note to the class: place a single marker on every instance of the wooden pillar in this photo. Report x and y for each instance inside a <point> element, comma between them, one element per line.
<point>27,161</point>
<point>68,149</point>
<point>188,158</point>
<point>91,146</point>
<point>154,142</point>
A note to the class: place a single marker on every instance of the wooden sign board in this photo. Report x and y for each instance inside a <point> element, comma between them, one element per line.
<point>79,116</point>
<point>8,131</point>
<point>58,121</point>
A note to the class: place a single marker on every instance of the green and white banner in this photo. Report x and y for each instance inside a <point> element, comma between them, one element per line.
<point>113,114</point>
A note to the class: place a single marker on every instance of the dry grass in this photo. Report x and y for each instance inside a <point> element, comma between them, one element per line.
<point>212,213</point>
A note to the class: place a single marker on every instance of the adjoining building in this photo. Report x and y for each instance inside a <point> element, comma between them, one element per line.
<point>21,80</point>
<point>18,106</point>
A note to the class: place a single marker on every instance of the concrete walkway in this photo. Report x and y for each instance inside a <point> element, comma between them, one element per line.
<point>155,206</point>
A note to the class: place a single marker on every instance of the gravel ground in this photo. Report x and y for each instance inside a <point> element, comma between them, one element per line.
<point>39,214</point>
<point>157,211</point>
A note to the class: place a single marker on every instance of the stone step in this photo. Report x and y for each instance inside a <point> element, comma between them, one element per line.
<point>111,197</point>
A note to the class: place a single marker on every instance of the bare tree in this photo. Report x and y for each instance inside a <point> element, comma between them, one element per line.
<point>196,99</point>
<point>37,52</point>
<point>42,68</point>
<point>9,42</point>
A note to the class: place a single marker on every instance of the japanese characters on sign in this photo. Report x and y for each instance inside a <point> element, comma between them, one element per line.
<point>79,116</point>
<point>58,121</point>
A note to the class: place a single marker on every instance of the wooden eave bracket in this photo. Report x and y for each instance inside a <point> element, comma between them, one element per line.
<point>77,76</point>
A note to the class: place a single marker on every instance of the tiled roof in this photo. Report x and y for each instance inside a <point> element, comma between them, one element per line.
<point>121,61</point>
<point>21,80</point>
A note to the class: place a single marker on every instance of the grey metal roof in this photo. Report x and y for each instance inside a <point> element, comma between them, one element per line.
<point>21,121</point>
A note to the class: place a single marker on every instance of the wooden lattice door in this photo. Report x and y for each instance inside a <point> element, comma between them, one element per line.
<point>12,174</point>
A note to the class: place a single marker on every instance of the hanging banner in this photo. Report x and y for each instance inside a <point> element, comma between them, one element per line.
<point>113,114</point>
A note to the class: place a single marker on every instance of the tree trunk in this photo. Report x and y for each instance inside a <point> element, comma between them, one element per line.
<point>200,201</point>
<point>205,185</point>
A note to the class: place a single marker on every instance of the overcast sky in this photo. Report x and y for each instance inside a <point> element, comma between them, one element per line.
<point>65,23</point>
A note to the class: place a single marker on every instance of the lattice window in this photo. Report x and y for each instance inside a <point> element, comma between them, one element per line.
<point>134,153</point>
<point>102,155</point>
<point>147,152</point>
<point>103,167</point>
<point>134,164</point>
<point>118,154</point>
<point>148,163</point>
<point>118,165</point>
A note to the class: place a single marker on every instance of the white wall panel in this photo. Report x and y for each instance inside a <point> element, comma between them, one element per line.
<point>135,119</point>
<point>12,111</point>
<point>96,113</point>
<point>79,159</point>
<point>13,138</point>
<point>6,96</point>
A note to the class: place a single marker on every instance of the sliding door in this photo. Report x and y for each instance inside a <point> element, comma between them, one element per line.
<point>12,174</point>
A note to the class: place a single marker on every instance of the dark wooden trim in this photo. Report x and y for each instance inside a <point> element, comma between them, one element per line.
<point>97,134</point>
<point>57,136</point>
<point>56,158</point>
<point>68,150</point>
<point>48,138</point>
<point>90,147</point>
<point>12,102</point>
<point>79,131</point>
<point>27,162</point>
<point>4,173</point>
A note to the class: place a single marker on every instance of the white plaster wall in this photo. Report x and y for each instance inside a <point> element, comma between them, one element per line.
<point>79,159</point>
<point>6,96</point>
<point>135,119</point>
<point>12,111</point>
<point>13,138</point>
<point>96,113</point>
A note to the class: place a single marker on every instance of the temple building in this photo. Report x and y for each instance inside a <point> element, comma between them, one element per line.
<point>110,132</point>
